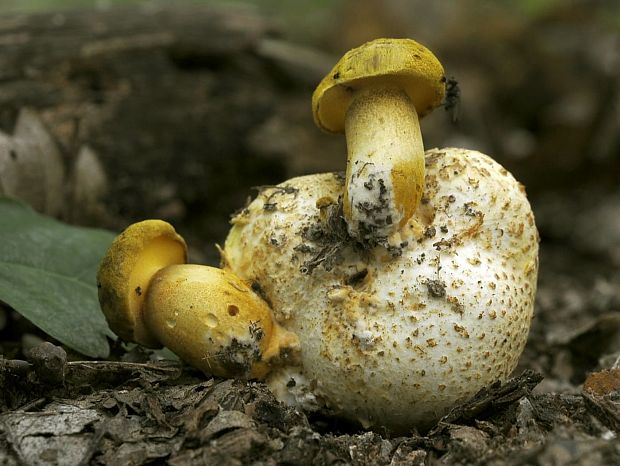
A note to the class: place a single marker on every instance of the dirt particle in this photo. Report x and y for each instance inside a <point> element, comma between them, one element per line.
<point>256,331</point>
<point>269,205</point>
<point>430,232</point>
<point>357,278</point>
<point>436,288</point>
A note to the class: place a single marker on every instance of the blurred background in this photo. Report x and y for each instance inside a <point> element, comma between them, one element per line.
<point>175,110</point>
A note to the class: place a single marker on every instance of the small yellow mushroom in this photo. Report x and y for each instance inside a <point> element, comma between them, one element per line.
<point>375,95</point>
<point>210,317</point>
<point>391,316</point>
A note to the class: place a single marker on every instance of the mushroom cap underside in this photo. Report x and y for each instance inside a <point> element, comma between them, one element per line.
<point>126,271</point>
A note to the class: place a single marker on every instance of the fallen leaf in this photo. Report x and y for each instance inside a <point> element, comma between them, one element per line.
<point>47,274</point>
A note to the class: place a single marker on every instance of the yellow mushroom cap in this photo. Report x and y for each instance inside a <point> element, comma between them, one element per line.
<point>125,273</point>
<point>401,63</point>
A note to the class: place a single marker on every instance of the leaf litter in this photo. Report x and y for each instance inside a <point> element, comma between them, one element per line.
<point>113,412</point>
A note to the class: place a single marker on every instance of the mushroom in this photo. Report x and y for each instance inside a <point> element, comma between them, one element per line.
<point>393,293</point>
<point>208,316</point>
<point>375,94</point>
<point>395,332</point>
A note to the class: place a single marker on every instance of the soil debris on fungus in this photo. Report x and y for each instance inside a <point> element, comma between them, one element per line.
<point>436,288</point>
<point>270,203</point>
<point>325,238</point>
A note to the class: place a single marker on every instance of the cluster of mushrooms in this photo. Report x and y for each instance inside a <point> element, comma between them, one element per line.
<point>385,296</point>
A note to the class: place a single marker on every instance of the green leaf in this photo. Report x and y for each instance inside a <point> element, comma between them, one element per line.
<point>47,274</point>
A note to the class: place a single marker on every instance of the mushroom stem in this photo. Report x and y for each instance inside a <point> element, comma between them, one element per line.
<point>385,164</point>
<point>214,321</point>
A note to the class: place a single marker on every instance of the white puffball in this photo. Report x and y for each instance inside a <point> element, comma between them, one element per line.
<point>397,337</point>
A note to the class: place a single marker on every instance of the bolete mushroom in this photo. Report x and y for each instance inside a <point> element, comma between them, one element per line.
<point>208,316</point>
<point>375,94</point>
<point>403,288</point>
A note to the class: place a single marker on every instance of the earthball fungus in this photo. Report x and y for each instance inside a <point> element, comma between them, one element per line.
<point>385,295</point>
